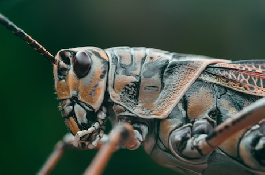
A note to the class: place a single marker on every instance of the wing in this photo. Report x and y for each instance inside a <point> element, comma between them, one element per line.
<point>243,76</point>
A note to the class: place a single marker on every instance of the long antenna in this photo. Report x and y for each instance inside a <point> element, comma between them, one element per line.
<point>24,36</point>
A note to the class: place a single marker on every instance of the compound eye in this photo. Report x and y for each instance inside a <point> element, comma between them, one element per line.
<point>82,63</point>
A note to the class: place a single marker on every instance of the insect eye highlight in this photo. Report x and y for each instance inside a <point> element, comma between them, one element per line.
<point>81,64</point>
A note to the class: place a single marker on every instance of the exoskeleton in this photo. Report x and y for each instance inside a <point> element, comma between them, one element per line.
<point>183,108</point>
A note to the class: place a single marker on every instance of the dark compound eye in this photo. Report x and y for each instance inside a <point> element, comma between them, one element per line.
<point>82,63</point>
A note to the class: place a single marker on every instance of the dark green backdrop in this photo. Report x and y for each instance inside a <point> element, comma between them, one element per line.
<point>30,123</point>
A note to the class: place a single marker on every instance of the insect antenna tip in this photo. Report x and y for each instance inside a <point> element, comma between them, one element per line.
<point>24,36</point>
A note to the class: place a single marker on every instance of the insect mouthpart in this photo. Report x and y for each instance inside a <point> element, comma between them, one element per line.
<point>78,115</point>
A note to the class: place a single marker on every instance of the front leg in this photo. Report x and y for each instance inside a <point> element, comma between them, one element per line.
<point>140,128</point>
<point>121,136</point>
<point>59,149</point>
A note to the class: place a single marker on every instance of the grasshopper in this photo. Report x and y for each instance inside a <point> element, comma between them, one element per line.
<point>191,113</point>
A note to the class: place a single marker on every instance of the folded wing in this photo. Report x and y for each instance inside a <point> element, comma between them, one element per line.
<point>243,76</point>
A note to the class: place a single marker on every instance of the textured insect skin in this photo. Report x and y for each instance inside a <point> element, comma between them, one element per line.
<point>175,103</point>
<point>172,101</point>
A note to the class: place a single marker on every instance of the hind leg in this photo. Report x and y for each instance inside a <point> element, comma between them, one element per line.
<point>251,146</point>
<point>249,116</point>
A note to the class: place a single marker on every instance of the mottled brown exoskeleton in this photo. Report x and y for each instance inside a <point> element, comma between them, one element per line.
<point>191,113</point>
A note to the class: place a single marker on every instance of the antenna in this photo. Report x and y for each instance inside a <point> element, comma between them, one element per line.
<point>24,36</point>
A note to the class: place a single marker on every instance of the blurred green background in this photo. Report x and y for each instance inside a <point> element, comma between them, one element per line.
<point>30,121</point>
